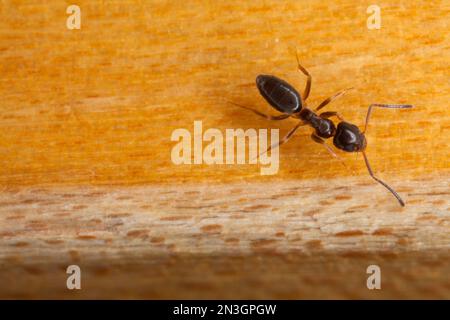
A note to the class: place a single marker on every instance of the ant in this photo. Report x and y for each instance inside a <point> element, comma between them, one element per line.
<point>346,136</point>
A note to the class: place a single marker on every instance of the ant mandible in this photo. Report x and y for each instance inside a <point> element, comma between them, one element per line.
<point>346,136</point>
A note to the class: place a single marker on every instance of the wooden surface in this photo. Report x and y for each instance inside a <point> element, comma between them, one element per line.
<point>86,177</point>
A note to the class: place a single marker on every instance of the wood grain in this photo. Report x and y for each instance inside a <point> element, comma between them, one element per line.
<point>294,216</point>
<point>86,176</point>
<point>98,105</point>
<point>296,235</point>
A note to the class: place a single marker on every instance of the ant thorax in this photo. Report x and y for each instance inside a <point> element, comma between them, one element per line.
<point>324,128</point>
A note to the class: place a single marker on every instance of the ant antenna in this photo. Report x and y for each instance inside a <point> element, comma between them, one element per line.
<point>369,112</point>
<point>392,106</point>
<point>402,203</point>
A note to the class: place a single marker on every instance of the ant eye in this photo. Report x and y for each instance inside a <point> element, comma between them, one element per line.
<point>349,138</point>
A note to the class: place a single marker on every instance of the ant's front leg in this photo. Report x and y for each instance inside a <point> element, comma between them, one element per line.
<point>329,114</point>
<point>319,140</point>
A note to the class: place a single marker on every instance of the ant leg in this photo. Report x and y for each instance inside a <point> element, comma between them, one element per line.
<point>392,106</point>
<point>319,140</point>
<point>328,114</point>
<point>308,81</point>
<point>285,138</point>
<point>400,200</point>
<point>265,116</point>
<point>333,97</point>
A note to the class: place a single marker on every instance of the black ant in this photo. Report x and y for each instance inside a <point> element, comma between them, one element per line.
<point>346,136</point>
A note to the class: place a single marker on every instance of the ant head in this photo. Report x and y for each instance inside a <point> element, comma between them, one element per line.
<point>349,138</point>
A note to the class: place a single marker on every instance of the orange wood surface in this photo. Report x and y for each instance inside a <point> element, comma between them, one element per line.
<point>86,176</point>
<point>98,105</point>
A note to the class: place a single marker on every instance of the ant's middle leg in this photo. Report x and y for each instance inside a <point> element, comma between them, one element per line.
<point>329,114</point>
<point>308,81</point>
<point>285,138</point>
<point>330,99</point>
<point>265,116</point>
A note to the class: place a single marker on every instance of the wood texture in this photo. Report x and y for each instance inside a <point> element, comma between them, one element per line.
<point>86,176</point>
<point>190,243</point>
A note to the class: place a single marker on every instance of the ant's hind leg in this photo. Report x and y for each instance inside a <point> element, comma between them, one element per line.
<point>329,114</point>
<point>265,116</point>
<point>319,140</point>
<point>308,81</point>
<point>330,99</point>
